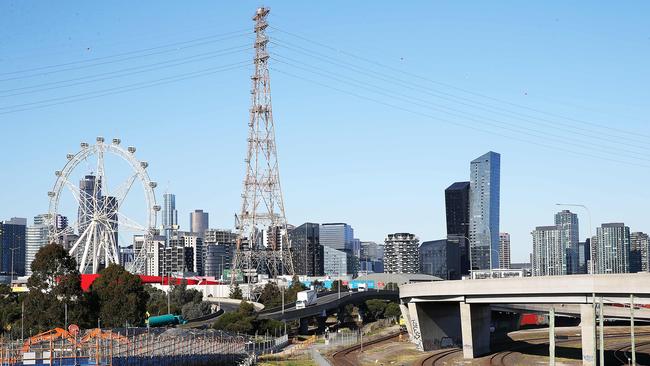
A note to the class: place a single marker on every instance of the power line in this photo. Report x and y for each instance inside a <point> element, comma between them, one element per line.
<point>121,89</point>
<point>123,72</point>
<point>360,96</point>
<point>465,115</point>
<point>388,67</point>
<point>134,53</point>
<point>640,144</point>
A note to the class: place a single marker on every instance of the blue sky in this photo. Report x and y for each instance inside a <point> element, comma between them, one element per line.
<point>379,106</point>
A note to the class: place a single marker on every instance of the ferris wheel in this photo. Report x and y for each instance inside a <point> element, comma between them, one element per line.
<point>93,237</point>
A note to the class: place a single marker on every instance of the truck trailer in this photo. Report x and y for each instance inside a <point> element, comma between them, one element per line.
<point>306,298</point>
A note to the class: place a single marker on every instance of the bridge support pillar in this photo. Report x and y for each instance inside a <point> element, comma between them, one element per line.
<point>321,324</point>
<point>588,334</point>
<point>304,326</point>
<point>434,325</point>
<point>475,325</point>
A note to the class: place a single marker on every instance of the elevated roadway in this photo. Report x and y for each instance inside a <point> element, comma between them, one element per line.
<point>440,312</point>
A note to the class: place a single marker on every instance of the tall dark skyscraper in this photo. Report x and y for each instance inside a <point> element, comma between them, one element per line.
<point>457,209</point>
<point>307,251</point>
<point>12,247</point>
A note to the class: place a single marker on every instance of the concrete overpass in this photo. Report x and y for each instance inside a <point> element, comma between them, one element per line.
<point>326,304</point>
<point>461,310</point>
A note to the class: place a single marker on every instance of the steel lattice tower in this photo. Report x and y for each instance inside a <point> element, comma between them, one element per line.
<point>262,242</point>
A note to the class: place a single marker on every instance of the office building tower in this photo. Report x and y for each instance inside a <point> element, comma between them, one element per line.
<point>504,250</point>
<point>485,177</point>
<point>12,247</point>
<point>457,213</point>
<point>401,253</point>
<point>639,247</point>
<point>169,214</point>
<point>612,248</point>
<point>337,236</point>
<point>90,191</point>
<point>584,256</point>
<point>199,222</point>
<point>440,258</point>
<point>307,253</point>
<point>218,258</point>
<point>567,222</point>
<point>61,222</point>
<point>548,257</point>
<point>335,262</point>
<point>36,238</point>
<point>127,255</point>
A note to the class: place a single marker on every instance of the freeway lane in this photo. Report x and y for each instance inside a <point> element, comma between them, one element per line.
<point>328,303</point>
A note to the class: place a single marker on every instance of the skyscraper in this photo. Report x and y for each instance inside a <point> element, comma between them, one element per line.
<point>504,250</point>
<point>219,251</point>
<point>307,251</point>
<point>485,177</point>
<point>567,223</point>
<point>199,222</point>
<point>457,210</point>
<point>639,256</point>
<point>12,247</point>
<point>401,253</point>
<point>548,257</point>
<point>90,191</point>
<point>338,236</point>
<point>169,214</point>
<point>612,247</point>
<point>36,238</point>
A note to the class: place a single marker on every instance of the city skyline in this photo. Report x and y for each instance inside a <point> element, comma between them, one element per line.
<point>365,179</point>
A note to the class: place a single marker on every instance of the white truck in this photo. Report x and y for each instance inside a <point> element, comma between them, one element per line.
<point>362,287</point>
<point>306,298</point>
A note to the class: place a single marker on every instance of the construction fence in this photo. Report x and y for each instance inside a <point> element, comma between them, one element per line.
<point>139,348</point>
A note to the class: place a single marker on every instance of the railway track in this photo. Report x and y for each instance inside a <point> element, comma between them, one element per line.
<point>347,356</point>
<point>435,358</point>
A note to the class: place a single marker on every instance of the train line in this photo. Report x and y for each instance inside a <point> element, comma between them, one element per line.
<point>348,356</point>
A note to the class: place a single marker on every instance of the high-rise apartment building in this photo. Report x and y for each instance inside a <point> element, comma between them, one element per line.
<point>504,250</point>
<point>169,214</point>
<point>457,213</point>
<point>36,238</point>
<point>217,258</point>
<point>199,222</point>
<point>12,247</point>
<point>307,253</point>
<point>440,258</point>
<point>401,253</point>
<point>639,256</point>
<point>548,257</point>
<point>192,241</point>
<point>485,177</point>
<point>612,248</point>
<point>154,247</point>
<point>584,256</point>
<point>567,222</point>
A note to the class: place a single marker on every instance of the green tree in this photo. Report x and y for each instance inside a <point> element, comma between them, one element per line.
<point>193,310</point>
<point>271,296</point>
<point>338,283</point>
<point>235,292</point>
<point>157,304</point>
<point>119,296</point>
<point>55,282</point>
<point>318,285</point>
<point>291,295</point>
<point>242,321</point>
<point>375,308</point>
<point>392,311</point>
<point>391,286</point>
<point>10,310</point>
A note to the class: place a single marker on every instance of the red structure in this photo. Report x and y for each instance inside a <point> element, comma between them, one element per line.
<point>88,279</point>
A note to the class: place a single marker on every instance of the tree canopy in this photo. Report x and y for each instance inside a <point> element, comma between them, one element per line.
<point>119,296</point>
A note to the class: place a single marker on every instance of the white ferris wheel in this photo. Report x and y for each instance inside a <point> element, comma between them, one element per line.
<point>95,232</point>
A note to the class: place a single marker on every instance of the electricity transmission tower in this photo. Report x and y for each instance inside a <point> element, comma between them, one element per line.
<point>262,241</point>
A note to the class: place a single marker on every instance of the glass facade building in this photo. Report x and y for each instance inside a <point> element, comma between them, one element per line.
<point>485,178</point>
<point>12,247</point>
<point>169,214</point>
<point>306,251</point>
<point>440,258</point>
<point>457,214</point>
<point>36,238</point>
<point>567,222</point>
<point>339,236</point>
<point>639,247</point>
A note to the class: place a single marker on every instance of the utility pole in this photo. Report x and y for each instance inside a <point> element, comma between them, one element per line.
<point>551,336</point>
<point>633,348</point>
<point>262,209</point>
<point>602,333</point>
